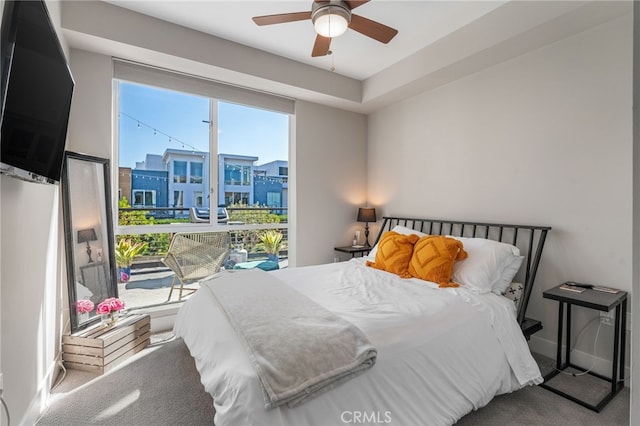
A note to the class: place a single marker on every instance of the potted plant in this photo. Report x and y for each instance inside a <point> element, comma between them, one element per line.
<point>271,242</point>
<point>126,250</point>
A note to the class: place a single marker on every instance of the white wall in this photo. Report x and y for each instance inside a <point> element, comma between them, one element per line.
<point>544,139</point>
<point>31,282</point>
<point>90,124</point>
<point>328,182</point>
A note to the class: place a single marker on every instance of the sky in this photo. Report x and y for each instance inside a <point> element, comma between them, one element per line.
<point>152,120</point>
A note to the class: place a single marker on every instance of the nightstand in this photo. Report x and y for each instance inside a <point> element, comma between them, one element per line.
<point>601,301</point>
<point>363,251</point>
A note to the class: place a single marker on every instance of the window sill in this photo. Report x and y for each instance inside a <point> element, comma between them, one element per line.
<point>162,316</point>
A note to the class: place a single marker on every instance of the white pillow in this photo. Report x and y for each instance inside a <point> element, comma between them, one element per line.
<point>490,265</point>
<point>514,292</point>
<point>400,230</point>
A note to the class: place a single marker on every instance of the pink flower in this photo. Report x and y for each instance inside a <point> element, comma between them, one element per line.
<point>102,309</point>
<point>109,305</point>
<point>115,304</point>
<point>84,305</point>
<point>124,277</point>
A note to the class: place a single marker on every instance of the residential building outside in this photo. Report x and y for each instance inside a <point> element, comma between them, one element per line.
<point>271,184</point>
<point>180,179</point>
<point>235,177</point>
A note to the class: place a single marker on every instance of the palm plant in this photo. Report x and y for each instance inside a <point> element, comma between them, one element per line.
<point>126,250</point>
<point>271,242</point>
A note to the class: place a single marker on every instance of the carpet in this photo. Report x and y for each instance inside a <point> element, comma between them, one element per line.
<point>158,386</point>
<point>161,386</point>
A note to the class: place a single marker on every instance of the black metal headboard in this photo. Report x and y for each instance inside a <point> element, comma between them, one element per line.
<point>528,238</point>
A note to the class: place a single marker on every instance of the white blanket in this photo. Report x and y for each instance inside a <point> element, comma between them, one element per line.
<point>441,352</point>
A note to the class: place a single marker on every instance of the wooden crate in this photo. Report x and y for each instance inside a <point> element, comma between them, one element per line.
<point>98,348</point>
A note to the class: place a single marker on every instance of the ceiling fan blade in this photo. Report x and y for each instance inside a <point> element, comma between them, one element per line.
<point>281,18</point>
<point>355,3</point>
<point>321,46</point>
<point>373,29</point>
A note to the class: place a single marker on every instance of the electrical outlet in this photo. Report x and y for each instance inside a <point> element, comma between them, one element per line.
<point>607,318</point>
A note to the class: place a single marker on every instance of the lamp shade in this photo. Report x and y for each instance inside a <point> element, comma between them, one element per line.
<point>86,235</point>
<point>366,214</point>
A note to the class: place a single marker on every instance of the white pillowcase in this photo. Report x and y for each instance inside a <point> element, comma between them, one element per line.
<point>403,230</point>
<point>514,292</point>
<point>490,265</point>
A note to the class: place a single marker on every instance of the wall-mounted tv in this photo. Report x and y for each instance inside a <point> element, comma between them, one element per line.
<point>36,90</point>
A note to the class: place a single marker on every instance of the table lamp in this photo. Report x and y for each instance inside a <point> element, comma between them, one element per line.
<point>366,215</point>
<point>86,235</point>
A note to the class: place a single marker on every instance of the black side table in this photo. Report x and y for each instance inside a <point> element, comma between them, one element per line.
<point>354,250</point>
<point>600,301</point>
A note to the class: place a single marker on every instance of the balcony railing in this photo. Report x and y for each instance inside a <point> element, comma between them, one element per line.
<point>157,243</point>
<point>181,213</point>
<point>150,278</point>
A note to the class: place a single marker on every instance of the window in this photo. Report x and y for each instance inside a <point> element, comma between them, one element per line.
<point>196,172</point>
<point>144,198</point>
<point>180,172</point>
<point>246,175</point>
<point>283,171</point>
<point>198,199</point>
<point>178,198</point>
<point>236,198</point>
<point>184,142</point>
<point>235,174</point>
<point>273,199</point>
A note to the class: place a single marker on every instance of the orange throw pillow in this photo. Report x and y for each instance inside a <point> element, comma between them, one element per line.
<point>394,253</point>
<point>433,259</point>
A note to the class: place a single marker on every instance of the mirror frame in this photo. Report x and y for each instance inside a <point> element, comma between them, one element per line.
<point>105,218</point>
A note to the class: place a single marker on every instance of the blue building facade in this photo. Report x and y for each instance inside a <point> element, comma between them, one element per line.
<point>149,188</point>
<point>268,191</point>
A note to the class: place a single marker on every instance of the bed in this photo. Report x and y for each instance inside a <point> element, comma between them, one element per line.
<point>441,352</point>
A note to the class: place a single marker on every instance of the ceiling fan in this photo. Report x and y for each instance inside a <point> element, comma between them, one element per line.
<point>331,18</point>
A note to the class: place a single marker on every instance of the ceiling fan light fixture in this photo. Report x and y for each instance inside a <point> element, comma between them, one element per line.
<point>331,20</point>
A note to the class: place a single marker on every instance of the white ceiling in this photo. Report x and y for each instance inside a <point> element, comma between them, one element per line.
<point>438,42</point>
<point>419,23</point>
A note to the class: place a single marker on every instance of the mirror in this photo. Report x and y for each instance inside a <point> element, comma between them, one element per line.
<point>88,227</point>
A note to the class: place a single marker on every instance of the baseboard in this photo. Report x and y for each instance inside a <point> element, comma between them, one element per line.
<point>600,365</point>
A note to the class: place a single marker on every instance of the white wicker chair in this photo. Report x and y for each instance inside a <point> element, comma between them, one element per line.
<point>193,256</point>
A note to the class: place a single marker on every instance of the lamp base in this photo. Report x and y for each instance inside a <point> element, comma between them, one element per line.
<point>366,235</point>
<point>89,252</point>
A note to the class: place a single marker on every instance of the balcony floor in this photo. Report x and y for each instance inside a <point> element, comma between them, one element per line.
<point>151,286</point>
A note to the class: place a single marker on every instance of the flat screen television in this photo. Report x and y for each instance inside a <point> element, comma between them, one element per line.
<point>36,89</point>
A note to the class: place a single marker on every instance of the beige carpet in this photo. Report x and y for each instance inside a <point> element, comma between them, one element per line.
<point>160,386</point>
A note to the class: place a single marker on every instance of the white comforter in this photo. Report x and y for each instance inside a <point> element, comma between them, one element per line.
<point>441,352</point>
